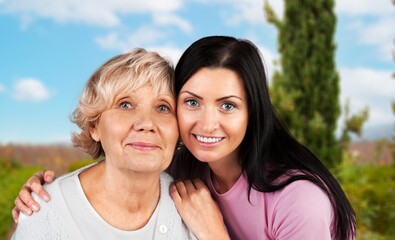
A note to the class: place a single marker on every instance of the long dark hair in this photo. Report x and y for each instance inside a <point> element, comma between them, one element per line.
<point>268,150</point>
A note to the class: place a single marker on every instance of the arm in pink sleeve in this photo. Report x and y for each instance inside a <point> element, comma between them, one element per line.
<point>302,211</point>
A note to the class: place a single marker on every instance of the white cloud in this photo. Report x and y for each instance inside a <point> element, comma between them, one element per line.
<point>171,19</point>
<point>250,11</point>
<point>105,13</point>
<point>2,88</point>
<point>140,38</point>
<point>30,89</point>
<point>365,7</point>
<point>171,53</point>
<point>379,34</point>
<point>144,37</point>
<point>369,87</point>
<point>373,22</point>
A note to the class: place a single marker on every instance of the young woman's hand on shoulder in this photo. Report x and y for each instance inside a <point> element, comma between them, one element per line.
<point>24,202</point>
<point>198,210</point>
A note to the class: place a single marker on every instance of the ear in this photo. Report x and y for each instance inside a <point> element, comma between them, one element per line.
<point>95,134</point>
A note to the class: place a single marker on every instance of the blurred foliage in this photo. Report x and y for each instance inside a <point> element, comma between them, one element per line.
<point>352,123</point>
<point>79,164</point>
<point>12,177</point>
<point>371,191</point>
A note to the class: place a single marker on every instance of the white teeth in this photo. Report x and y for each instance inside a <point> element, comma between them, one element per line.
<point>208,139</point>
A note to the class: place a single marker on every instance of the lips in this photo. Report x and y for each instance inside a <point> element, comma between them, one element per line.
<point>208,139</point>
<point>143,146</point>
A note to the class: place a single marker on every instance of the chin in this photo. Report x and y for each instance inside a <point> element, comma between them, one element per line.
<point>204,157</point>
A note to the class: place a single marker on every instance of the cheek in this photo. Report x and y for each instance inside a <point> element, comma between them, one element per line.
<point>186,121</point>
<point>169,127</point>
<point>237,125</point>
<point>174,133</point>
<point>182,121</point>
<point>109,134</point>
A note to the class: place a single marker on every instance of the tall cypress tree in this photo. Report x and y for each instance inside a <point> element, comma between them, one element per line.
<point>306,89</point>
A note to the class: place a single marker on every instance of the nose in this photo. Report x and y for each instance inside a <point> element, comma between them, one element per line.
<point>144,121</point>
<point>209,121</point>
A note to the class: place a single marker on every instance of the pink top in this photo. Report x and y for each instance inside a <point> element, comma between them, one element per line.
<point>301,210</point>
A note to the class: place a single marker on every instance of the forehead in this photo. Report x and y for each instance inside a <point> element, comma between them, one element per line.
<point>147,91</point>
<point>215,81</point>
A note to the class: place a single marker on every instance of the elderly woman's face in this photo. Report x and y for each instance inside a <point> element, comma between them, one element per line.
<point>139,132</point>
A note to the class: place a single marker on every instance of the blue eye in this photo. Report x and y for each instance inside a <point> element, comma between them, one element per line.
<point>228,106</point>
<point>125,105</point>
<point>192,103</point>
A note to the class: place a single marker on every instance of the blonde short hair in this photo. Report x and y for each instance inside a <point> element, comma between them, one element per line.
<point>120,74</point>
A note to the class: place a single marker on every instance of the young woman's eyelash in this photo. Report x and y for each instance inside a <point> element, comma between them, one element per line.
<point>228,106</point>
<point>191,102</point>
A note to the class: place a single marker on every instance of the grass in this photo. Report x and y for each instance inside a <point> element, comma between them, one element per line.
<point>12,176</point>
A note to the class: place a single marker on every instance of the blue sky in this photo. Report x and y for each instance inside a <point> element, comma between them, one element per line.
<point>48,49</point>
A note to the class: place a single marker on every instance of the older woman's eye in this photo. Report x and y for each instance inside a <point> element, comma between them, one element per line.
<point>125,105</point>
<point>164,108</point>
<point>192,103</point>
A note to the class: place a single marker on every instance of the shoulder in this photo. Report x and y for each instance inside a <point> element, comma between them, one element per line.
<point>169,220</point>
<point>303,189</point>
<point>304,197</point>
<point>49,222</point>
<point>40,225</point>
<point>302,209</point>
<point>165,179</point>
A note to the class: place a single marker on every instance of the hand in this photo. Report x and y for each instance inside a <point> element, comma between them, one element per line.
<point>24,202</point>
<point>198,210</point>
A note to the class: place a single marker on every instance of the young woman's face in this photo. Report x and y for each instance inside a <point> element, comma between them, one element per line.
<point>139,132</point>
<point>212,114</point>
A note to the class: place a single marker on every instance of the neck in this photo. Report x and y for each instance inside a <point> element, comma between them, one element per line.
<point>124,199</point>
<point>225,174</point>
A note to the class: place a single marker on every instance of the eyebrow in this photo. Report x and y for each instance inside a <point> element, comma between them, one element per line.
<point>219,99</point>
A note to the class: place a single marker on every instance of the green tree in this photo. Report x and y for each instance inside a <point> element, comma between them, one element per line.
<point>308,83</point>
<point>352,124</point>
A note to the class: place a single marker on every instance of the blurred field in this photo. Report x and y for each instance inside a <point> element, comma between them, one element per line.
<point>367,175</point>
<point>19,162</point>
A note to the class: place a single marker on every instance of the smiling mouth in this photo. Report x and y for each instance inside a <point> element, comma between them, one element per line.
<point>208,139</point>
<point>145,147</point>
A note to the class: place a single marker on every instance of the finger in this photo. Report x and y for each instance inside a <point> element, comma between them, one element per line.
<point>22,207</point>
<point>199,184</point>
<point>34,184</point>
<point>174,194</point>
<point>38,189</point>
<point>49,176</point>
<point>35,178</point>
<point>26,199</point>
<point>40,176</point>
<point>182,191</point>
<point>15,214</point>
<point>189,186</point>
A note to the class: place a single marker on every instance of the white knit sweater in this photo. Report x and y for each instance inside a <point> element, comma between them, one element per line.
<point>69,215</point>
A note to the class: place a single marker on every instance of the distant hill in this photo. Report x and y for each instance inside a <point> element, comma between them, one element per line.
<point>59,157</point>
<point>371,152</point>
<point>384,131</point>
<point>53,157</point>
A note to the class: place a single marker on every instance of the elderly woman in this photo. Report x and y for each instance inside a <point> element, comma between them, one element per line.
<point>127,117</point>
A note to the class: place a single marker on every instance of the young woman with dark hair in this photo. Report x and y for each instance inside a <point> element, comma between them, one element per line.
<point>268,159</point>
<point>266,184</point>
